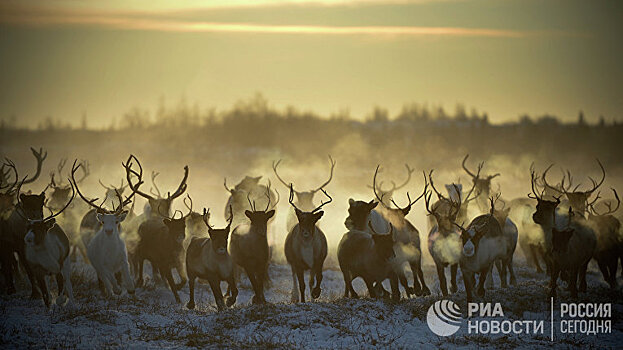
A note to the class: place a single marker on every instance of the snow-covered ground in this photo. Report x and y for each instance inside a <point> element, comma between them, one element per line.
<point>152,319</point>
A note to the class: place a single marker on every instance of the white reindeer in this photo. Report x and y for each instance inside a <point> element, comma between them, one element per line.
<point>106,250</point>
<point>47,253</point>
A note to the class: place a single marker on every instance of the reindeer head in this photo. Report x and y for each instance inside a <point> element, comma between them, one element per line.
<point>30,206</point>
<point>308,219</point>
<point>472,235</point>
<point>159,204</point>
<point>259,218</point>
<point>386,195</point>
<point>109,219</point>
<point>456,207</point>
<point>359,213</point>
<point>482,184</point>
<point>305,200</point>
<point>111,223</point>
<point>36,229</point>
<point>218,236</point>
<point>578,200</point>
<point>177,226</point>
<point>545,209</point>
<point>60,189</point>
<point>383,242</point>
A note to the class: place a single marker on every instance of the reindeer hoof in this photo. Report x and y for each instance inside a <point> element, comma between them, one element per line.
<point>425,291</point>
<point>315,293</point>
<point>395,297</point>
<point>61,300</point>
<point>294,298</point>
<point>513,282</point>
<point>258,300</point>
<point>190,305</point>
<point>131,291</point>
<point>453,289</point>
<point>229,301</point>
<point>139,283</point>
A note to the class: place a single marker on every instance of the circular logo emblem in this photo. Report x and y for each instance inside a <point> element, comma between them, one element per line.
<point>444,318</point>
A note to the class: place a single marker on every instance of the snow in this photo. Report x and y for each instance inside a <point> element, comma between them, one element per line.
<point>152,319</point>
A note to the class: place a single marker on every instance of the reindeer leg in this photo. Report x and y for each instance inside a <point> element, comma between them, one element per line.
<point>139,281</point>
<point>127,280</point>
<point>8,262</point>
<point>315,293</point>
<point>44,289</point>
<point>420,275</point>
<point>191,292</point>
<point>553,281</point>
<point>489,274</point>
<point>215,285</point>
<point>417,288</point>
<point>393,281</point>
<point>295,286</point>
<point>511,271</point>
<point>300,275</point>
<point>582,274</point>
<point>169,277</point>
<point>468,286</point>
<point>231,286</point>
<point>535,259</point>
<point>453,271</point>
<point>612,267</point>
<point>573,280</point>
<point>442,280</point>
<point>500,265</point>
<point>31,276</point>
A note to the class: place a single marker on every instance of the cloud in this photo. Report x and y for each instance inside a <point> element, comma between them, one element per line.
<point>143,23</point>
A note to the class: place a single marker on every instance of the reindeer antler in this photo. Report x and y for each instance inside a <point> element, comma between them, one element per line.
<point>40,156</point>
<point>607,204</point>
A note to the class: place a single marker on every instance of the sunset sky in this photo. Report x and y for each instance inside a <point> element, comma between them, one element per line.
<point>505,57</point>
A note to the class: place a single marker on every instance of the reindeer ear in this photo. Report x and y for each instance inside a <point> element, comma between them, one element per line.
<point>351,201</point>
<point>100,217</point>
<point>318,215</point>
<point>122,216</point>
<point>166,221</point>
<point>298,213</point>
<point>270,214</point>
<point>22,197</point>
<point>373,204</point>
<point>248,213</point>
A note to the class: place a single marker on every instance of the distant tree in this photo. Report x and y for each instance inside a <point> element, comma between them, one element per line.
<point>83,122</point>
<point>602,121</point>
<point>581,121</point>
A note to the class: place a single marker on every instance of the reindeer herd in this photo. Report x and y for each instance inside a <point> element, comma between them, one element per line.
<point>559,225</point>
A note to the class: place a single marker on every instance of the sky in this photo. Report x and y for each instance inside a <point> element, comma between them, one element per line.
<point>504,57</point>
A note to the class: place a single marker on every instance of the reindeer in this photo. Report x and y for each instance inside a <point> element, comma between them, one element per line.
<point>28,207</point>
<point>511,234</point>
<point>106,250</point>
<point>578,200</point>
<point>369,256</point>
<point>609,247</point>
<point>406,237</point>
<point>160,208</point>
<point>483,243</point>
<point>47,253</point>
<point>306,249</point>
<point>605,226</point>
<point>444,241</point>
<point>249,187</point>
<point>571,247</point>
<point>249,245</point>
<point>207,258</point>
<point>482,185</point>
<point>304,200</point>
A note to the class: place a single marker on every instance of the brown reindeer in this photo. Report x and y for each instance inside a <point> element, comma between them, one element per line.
<point>249,246</point>
<point>304,199</point>
<point>207,258</point>
<point>370,257</point>
<point>160,238</point>
<point>482,185</point>
<point>306,249</point>
<point>406,237</point>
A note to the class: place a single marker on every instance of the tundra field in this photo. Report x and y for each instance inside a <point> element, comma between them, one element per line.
<point>230,149</point>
